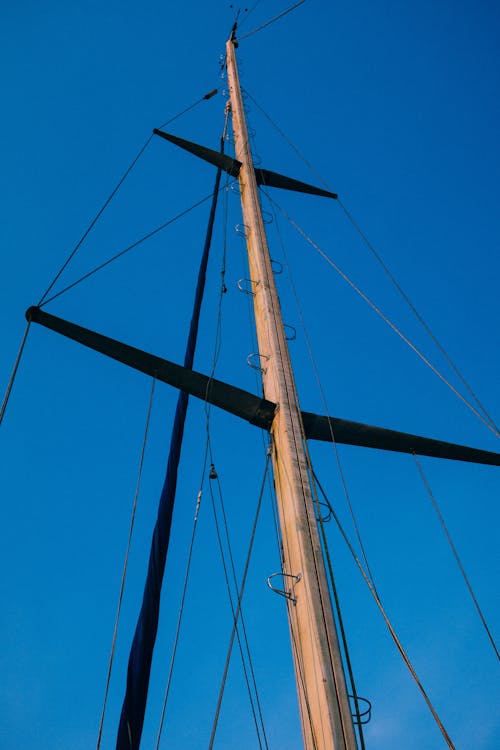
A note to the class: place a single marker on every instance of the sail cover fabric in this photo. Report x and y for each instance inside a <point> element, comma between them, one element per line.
<point>141,652</point>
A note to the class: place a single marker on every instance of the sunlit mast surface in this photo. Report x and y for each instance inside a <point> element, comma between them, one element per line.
<point>324,703</point>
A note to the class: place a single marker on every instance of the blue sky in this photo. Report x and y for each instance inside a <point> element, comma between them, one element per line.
<point>396,106</point>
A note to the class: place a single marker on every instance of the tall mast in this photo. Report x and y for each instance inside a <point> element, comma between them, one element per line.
<point>324,704</point>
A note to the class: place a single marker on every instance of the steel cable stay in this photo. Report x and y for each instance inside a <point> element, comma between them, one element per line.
<point>388,623</point>
<point>313,478</point>
<point>237,613</point>
<point>259,389</point>
<point>369,582</point>
<point>454,551</point>
<point>349,503</point>
<point>181,609</point>
<point>324,604</point>
<point>43,299</point>
<point>208,451</point>
<point>291,397</point>
<point>247,12</point>
<point>356,698</point>
<point>268,23</point>
<point>257,709</point>
<point>209,459</point>
<point>258,382</point>
<point>12,378</point>
<point>112,195</point>
<point>207,454</point>
<point>384,317</point>
<point>127,249</point>
<point>189,560</point>
<point>143,642</point>
<point>183,594</point>
<point>279,540</point>
<point>300,669</point>
<point>244,652</point>
<point>420,318</point>
<point>125,563</point>
<point>385,269</point>
<point>243,645</point>
<point>295,639</point>
<point>323,398</point>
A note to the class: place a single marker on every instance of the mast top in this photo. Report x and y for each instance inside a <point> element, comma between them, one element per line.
<point>232,38</point>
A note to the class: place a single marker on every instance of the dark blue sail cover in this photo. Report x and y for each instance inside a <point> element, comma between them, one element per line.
<point>141,652</point>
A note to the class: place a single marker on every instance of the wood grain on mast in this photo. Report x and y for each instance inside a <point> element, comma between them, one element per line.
<point>324,703</point>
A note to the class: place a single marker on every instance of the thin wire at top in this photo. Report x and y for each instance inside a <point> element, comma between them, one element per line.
<point>268,23</point>
<point>109,199</point>
<point>127,249</point>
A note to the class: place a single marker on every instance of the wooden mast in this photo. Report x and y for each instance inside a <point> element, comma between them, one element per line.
<point>324,704</point>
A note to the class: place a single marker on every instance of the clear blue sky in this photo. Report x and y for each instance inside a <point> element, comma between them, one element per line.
<point>396,105</point>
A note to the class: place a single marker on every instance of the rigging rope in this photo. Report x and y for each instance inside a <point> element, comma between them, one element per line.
<point>454,552</point>
<point>389,624</point>
<point>217,349</point>
<point>268,23</point>
<point>202,479</point>
<point>325,403</point>
<point>247,12</point>
<point>181,606</point>
<point>233,611</point>
<point>298,438</point>
<point>339,611</point>
<point>325,602</point>
<point>418,315</point>
<point>129,248</point>
<point>43,299</point>
<point>139,666</point>
<point>125,564</point>
<point>94,222</point>
<point>108,201</point>
<point>382,315</point>
<point>238,607</point>
<point>14,373</point>
<point>300,669</point>
<point>384,267</point>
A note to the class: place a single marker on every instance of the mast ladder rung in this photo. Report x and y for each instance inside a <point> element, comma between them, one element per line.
<point>283,592</point>
<point>260,357</point>
<point>277,267</point>
<point>359,718</point>
<point>327,517</point>
<point>242,230</point>
<point>249,290</point>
